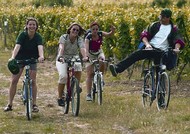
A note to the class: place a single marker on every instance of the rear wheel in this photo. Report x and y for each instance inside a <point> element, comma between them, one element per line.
<point>75,96</point>
<point>163,91</point>
<point>99,89</point>
<point>147,90</point>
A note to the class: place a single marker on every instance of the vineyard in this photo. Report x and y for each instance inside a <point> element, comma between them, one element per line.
<point>129,18</point>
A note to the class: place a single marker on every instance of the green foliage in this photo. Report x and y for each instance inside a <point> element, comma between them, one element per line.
<point>51,3</point>
<point>181,3</point>
<point>161,3</point>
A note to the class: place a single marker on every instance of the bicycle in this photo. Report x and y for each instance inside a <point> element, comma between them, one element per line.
<point>97,81</point>
<point>26,91</point>
<point>156,85</point>
<point>72,94</point>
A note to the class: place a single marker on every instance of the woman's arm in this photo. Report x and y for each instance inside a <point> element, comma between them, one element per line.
<point>15,51</point>
<point>106,34</point>
<point>41,53</point>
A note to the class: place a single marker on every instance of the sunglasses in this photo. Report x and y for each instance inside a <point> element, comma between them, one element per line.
<point>77,30</point>
<point>95,29</point>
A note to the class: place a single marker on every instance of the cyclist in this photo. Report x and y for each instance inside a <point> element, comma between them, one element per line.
<point>93,42</point>
<point>69,44</point>
<point>159,35</point>
<point>28,45</point>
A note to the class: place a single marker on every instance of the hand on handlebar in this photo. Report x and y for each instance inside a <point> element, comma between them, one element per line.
<point>85,59</point>
<point>41,59</point>
<point>148,47</point>
<point>176,50</point>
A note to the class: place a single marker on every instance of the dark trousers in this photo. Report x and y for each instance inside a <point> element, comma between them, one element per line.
<point>139,55</point>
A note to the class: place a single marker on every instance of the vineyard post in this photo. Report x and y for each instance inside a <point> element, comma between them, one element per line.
<point>5,33</point>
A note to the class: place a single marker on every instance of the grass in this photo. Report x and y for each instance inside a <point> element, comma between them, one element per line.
<point>121,112</point>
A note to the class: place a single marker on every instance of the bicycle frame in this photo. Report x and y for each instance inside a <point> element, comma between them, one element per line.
<point>72,86</point>
<point>27,86</point>
<point>154,82</point>
<point>97,86</point>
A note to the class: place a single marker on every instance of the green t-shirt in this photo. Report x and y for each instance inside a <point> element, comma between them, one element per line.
<point>29,47</point>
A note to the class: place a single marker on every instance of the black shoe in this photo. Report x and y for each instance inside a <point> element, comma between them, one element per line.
<point>88,97</point>
<point>35,109</point>
<point>8,108</point>
<point>61,102</point>
<point>112,69</point>
<point>80,90</point>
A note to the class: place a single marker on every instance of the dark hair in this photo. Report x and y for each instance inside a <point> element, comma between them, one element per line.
<point>31,19</point>
<point>93,24</point>
<point>166,12</point>
<point>81,30</point>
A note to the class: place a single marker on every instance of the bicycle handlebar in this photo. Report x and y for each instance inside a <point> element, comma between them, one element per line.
<point>27,61</point>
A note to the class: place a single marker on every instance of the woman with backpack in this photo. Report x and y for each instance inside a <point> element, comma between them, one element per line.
<point>69,45</point>
<point>93,43</point>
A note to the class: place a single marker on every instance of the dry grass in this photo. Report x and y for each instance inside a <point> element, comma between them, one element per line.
<point>121,112</point>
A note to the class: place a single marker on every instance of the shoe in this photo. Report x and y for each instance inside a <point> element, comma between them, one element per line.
<point>80,90</point>
<point>88,97</point>
<point>35,108</point>
<point>61,102</point>
<point>112,69</point>
<point>8,108</point>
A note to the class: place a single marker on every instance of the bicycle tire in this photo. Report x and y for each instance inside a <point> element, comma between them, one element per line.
<point>28,100</point>
<point>99,89</point>
<point>75,96</point>
<point>163,91</point>
<point>67,101</point>
<point>93,92</point>
<point>147,90</point>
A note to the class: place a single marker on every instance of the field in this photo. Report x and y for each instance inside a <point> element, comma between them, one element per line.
<point>121,112</point>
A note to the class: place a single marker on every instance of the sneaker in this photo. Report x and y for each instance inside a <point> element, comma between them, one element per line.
<point>112,69</point>
<point>61,102</point>
<point>80,90</point>
<point>88,97</point>
<point>35,108</point>
<point>8,108</point>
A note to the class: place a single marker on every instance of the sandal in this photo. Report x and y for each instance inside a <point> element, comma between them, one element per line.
<point>35,108</point>
<point>8,108</point>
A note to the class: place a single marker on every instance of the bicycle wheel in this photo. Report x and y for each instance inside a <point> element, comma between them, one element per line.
<point>99,89</point>
<point>67,101</point>
<point>147,90</point>
<point>163,91</point>
<point>75,96</point>
<point>28,101</point>
<point>93,92</point>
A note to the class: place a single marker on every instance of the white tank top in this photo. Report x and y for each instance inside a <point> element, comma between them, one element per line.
<point>160,39</point>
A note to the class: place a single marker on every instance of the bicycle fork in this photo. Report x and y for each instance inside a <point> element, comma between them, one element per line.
<point>25,81</point>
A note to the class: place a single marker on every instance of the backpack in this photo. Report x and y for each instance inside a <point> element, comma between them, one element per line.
<point>88,32</point>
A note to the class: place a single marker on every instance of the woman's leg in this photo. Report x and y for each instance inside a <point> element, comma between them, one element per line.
<point>89,73</point>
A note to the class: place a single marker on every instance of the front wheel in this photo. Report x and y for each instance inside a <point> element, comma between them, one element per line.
<point>147,90</point>
<point>163,91</point>
<point>67,101</point>
<point>99,89</point>
<point>75,91</point>
<point>28,100</point>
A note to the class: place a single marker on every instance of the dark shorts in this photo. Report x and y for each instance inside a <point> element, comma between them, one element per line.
<point>32,66</point>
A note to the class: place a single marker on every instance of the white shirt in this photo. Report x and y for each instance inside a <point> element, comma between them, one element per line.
<point>160,39</point>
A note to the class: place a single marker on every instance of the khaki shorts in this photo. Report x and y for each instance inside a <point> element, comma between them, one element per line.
<point>62,70</point>
<point>94,56</point>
